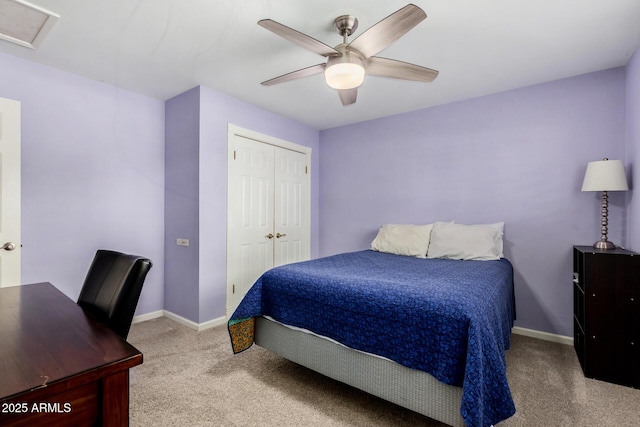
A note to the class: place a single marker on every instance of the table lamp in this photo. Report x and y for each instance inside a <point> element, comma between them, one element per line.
<point>605,175</point>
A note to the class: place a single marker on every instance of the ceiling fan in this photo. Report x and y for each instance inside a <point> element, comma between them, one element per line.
<point>347,63</point>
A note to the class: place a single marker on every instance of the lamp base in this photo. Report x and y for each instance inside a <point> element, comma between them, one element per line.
<point>604,244</point>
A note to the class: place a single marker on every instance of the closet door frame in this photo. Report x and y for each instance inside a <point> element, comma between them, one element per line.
<point>232,267</point>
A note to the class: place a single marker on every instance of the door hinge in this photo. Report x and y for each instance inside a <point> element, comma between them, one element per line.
<point>306,169</point>
<point>233,291</point>
<point>234,154</point>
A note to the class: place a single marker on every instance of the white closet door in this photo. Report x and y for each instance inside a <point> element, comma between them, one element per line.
<point>268,220</point>
<point>290,209</point>
<point>250,218</point>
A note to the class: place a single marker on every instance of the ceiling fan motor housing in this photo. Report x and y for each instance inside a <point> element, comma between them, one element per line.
<point>346,25</point>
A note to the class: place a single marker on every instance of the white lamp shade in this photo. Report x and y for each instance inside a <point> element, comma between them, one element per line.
<point>344,75</point>
<point>605,175</point>
<point>345,71</point>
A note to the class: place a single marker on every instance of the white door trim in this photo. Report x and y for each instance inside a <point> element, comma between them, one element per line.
<point>232,131</point>
<point>237,130</point>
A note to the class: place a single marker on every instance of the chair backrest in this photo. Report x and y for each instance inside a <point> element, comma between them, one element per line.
<point>112,288</point>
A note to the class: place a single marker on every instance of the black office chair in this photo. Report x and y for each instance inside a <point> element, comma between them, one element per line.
<point>112,288</point>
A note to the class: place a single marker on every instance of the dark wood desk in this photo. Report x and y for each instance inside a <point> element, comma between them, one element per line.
<point>58,366</point>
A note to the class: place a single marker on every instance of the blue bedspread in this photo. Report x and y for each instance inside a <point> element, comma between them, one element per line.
<point>449,318</point>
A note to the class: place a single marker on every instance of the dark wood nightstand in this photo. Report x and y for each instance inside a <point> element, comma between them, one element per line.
<point>606,310</point>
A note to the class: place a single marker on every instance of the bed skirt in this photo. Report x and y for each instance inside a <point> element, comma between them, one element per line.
<point>410,388</point>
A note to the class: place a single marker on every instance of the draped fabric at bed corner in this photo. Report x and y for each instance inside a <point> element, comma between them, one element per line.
<point>449,318</point>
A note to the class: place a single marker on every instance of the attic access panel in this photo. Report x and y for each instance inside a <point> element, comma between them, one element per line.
<point>24,23</point>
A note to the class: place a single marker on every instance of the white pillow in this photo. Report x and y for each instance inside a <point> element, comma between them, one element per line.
<point>403,239</point>
<point>481,242</point>
<point>499,227</point>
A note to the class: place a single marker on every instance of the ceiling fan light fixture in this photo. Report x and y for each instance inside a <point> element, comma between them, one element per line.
<point>344,75</point>
<point>345,71</point>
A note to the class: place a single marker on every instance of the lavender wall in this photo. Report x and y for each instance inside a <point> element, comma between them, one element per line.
<point>633,150</point>
<point>181,207</point>
<point>202,216</point>
<point>517,156</point>
<point>92,175</point>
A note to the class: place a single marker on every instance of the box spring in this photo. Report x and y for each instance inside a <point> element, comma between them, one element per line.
<point>410,388</point>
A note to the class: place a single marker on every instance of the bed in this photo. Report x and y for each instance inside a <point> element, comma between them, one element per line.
<point>429,334</point>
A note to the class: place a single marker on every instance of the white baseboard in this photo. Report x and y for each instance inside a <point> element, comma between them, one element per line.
<point>546,336</point>
<point>148,316</point>
<point>182,320</point>
<point>179,319</point>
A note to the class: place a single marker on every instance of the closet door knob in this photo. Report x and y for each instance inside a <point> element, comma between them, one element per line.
<point>278,235</point>
<point>269,236</point>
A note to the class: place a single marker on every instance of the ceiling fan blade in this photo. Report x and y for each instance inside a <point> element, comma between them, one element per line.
<point>298,74</point>
<point>390,29</point>
<point>348,96</point>
<point>384,67</point>
<point>298,38</point>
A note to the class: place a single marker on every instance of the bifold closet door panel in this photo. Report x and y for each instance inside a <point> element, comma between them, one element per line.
<point>290,211</point>
<point>251,216</point>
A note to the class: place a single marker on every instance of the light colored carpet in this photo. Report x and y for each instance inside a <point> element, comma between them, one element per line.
<point>191,378</point>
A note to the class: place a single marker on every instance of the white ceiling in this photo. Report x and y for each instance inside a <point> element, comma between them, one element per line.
<point>162,48</point>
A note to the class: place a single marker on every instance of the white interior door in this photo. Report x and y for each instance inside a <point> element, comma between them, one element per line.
<point>290,211</point>
<point>268,219</point>
<point>9,192</point>
<point>250,250</point>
